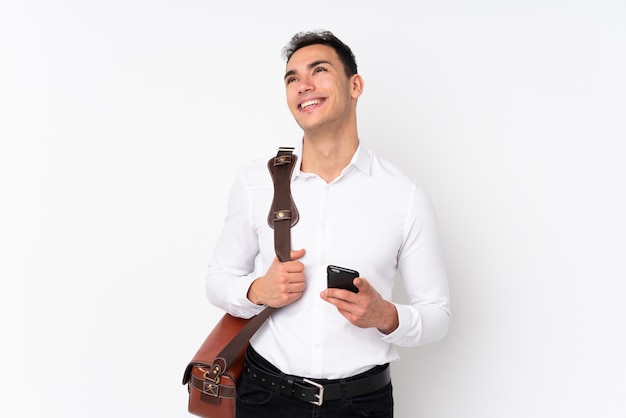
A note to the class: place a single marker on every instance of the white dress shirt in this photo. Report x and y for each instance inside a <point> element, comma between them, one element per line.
<point>373,219</point>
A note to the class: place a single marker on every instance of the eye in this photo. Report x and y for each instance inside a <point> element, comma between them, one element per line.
<point>290,80</point>
<point>319,69</point>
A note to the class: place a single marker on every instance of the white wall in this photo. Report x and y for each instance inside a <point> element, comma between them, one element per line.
<point>123,122</point>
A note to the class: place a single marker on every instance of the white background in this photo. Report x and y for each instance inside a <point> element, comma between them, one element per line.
<point>122,124</point>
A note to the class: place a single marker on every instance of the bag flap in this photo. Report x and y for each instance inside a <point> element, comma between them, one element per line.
<point>224,331</point>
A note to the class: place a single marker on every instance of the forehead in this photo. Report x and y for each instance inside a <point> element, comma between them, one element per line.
<point>312,53</point>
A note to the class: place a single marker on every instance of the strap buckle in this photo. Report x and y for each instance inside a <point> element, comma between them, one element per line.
<point>209,387</point>
<point>320,395</point>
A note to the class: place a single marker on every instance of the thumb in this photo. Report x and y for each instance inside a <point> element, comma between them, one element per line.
<point>296,254</point>
<point>361,284</point>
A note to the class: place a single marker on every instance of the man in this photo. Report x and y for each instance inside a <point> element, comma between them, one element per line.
<point>356,211</point>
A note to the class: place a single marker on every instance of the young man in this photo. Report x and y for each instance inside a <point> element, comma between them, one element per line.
<point>356,211</point>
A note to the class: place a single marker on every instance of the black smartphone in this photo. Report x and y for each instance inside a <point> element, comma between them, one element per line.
<point>341,277</point>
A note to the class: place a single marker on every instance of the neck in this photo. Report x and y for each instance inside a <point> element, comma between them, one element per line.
<point>328,156</point>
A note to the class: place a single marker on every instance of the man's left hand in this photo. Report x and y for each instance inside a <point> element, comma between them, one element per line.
<point>366,309</point>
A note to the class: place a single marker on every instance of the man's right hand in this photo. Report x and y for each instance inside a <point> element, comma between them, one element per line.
<point>283,283</point>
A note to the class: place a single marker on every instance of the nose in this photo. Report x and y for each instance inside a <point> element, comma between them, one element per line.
<point>304,85</point>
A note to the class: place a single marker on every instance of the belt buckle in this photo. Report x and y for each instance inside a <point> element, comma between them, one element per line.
<point>319,395</point>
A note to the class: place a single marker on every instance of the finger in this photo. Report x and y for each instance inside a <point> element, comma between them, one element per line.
<point>361,284</point>
<point>336,296</point>
<point>328,296</point>
<point>297,277</point>
<point>296,254</point>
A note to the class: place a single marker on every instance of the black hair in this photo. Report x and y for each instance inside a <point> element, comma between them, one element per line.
<point>323,37</point>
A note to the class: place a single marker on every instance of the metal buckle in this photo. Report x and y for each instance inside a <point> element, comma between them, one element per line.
<point>211,388</point>
<point>320,395</point>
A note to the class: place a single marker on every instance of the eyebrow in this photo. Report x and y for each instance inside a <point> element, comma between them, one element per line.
<point>311,65</point>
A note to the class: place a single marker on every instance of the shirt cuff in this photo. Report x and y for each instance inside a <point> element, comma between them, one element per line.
<point>248,309</point>
<point>405,321</point>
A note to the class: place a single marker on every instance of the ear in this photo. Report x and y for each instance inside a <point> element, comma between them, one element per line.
<point>356,86</point>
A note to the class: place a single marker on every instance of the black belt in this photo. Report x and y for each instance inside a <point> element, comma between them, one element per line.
<point>308,390</point>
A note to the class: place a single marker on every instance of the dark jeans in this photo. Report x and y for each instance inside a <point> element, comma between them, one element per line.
<point>256,402</point>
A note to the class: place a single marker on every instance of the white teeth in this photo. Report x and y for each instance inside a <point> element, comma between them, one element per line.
<point>309,103</point>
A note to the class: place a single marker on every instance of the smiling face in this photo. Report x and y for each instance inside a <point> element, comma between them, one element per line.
<point>319,94</point>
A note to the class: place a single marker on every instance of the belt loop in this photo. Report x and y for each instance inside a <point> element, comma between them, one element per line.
<point>344,391</point>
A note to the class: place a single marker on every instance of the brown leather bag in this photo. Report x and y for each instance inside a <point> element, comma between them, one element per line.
<point>212,376</point>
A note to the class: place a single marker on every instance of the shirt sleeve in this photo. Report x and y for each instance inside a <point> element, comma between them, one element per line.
<point>231,269</point>
<point>421,266</point>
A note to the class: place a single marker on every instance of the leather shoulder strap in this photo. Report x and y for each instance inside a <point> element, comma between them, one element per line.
<point>283,212</point>
<point>283,215</point>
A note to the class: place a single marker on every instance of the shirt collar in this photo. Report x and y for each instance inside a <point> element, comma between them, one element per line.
<point>361,160</point>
